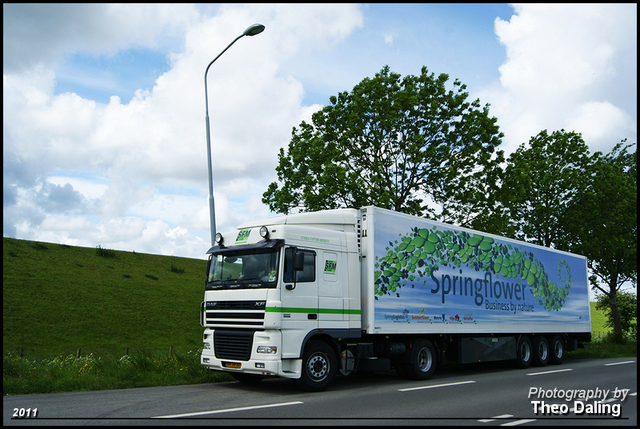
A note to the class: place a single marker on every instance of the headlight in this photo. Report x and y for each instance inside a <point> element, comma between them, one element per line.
<point>268,349</point>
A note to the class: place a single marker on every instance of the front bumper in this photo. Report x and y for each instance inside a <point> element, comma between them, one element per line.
<point>264,358</point>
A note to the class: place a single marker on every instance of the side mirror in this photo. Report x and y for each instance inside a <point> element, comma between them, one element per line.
<point>298,265</point>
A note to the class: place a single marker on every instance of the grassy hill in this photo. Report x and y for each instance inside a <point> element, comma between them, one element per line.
<point>59,298</point>
<point>598,319</point>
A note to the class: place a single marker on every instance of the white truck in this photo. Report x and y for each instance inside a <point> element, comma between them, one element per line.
<point>305,296</point>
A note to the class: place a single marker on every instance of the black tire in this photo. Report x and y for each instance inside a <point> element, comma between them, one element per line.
<point>524,352</point>
<point>423,360</point>
<point>557,350</point>
<point>319,367</point>
<point>541,351</point>
<point>247,378</point>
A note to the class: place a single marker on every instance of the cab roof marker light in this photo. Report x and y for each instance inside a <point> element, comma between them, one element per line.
<point>219,239</point>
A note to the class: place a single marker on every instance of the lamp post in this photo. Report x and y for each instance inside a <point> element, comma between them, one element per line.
<point>251,31</point>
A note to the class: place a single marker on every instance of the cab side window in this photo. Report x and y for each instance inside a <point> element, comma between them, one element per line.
<point>308,274</point>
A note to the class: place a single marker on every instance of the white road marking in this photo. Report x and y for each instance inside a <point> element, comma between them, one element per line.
<point>502,416</point>
<point>518,422</point>
<point>434,386</point>
<point>550,372</point>
<point>229,410</point>
<point>619,363</point>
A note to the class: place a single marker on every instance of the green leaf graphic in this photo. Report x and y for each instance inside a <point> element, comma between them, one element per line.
<point>422,251</point>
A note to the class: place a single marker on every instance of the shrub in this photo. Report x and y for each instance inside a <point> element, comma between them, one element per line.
<point>175,269</point>
<point>105,253</point>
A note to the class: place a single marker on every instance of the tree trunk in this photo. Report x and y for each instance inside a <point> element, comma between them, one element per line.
<point>613,304</point>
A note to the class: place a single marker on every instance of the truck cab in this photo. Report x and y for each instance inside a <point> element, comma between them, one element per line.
<point>276,286</point>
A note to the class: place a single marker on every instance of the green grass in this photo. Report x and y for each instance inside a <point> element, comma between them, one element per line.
<point>90,372</point>
<point>59,298</point>
<point>598,320</point>
<point>601,348</point>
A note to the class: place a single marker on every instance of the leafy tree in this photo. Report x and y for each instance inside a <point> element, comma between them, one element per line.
<point>556,194</point>
<point>627,307</point>
<point>603,224</point>
<point>538,183</point>
<point>398,143</point>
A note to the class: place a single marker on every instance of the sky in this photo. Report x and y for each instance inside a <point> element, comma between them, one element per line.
<point>104,140</point>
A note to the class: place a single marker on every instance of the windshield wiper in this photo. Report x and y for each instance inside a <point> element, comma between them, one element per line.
<point>252,282</point>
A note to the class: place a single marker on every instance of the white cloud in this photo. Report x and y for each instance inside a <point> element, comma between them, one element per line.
<point>40,33</point>
<point>88,188</point>
<point>601,121</point>
<point>150,151</point>
<point>566,58</point>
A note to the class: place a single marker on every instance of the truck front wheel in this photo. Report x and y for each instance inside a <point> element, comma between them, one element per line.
<point>423,360</point>
<point>319,367</point>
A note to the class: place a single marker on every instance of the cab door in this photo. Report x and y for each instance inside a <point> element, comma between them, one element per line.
<point>299,294</point>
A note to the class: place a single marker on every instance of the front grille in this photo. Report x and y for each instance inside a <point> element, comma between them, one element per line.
<point>235,305</point>
<point>234,345</point>
<point>236,313</point>
<point>212,315</point>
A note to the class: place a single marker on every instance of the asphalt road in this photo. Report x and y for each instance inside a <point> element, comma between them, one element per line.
<point>478,395</point>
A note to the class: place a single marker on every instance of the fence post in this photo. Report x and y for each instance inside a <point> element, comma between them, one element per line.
<point>170,350</point>
<point>21,352</point>
<point>78,353</point>
<point>126,351</point>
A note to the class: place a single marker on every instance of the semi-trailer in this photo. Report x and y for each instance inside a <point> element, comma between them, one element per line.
<point>309,295</point>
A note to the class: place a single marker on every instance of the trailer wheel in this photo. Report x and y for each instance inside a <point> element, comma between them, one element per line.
<point>423,360</point>
<point>319,367</point>
<point>540,350</point>
<point>524,354</point>
<point>557,350</point>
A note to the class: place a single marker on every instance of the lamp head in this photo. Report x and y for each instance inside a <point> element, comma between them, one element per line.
<point>253,30</point>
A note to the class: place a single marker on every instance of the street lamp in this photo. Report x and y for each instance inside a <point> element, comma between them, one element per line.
<point>251,31</point>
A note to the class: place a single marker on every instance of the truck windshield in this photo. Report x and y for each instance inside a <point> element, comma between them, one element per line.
<point>242,270</point>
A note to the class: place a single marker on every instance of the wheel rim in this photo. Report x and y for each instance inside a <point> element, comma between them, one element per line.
<point>318,366</point>
<point>425,360</point>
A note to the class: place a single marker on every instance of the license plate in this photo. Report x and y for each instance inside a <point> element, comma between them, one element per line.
<point>231,365</point>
